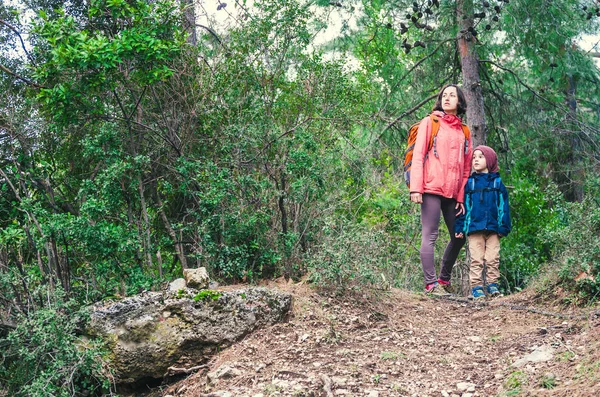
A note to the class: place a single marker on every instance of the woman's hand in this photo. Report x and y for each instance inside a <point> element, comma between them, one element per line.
<point>459,206</point>
<point>416,198</point>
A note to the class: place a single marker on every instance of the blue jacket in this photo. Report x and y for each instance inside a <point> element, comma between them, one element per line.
<point>486,206</point>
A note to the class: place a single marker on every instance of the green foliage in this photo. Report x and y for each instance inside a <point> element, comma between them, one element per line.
<point>207,294</point>
<point>514,382</point>
<point>534,212</point>
<point>257,152</point>
<point>44,357</point>
<point>548,381</point>
<point>350,257</point>
<point>577,251</point>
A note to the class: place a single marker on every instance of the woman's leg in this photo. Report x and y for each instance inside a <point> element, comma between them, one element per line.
<point>454,246</point>
<point>430,221</point>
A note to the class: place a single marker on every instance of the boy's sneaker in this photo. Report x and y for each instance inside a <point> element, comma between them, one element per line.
<point>446,286</point>
<point>493,290</point>
<point>431,287</point>
<point>477,292</point>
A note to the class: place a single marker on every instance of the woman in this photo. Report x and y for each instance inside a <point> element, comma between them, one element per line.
<point>437,181</point>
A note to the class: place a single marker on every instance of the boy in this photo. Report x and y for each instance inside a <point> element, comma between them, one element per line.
<point>485,221</point>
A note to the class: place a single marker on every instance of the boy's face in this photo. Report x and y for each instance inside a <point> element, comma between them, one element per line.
<point>479,163</point>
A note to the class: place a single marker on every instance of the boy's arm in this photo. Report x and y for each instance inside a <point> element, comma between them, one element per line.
<point>504,224</point>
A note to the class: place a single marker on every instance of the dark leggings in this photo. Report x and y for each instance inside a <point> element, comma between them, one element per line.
<point>431,208</point>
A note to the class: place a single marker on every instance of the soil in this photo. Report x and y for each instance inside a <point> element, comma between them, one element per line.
<point>400,343</point>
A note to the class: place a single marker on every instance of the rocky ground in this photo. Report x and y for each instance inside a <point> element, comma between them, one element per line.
<point>406,344</point>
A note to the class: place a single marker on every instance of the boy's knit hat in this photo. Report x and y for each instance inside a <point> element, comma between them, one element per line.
<point>491,158</point>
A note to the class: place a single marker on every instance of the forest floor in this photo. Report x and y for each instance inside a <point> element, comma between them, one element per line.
<point>407,344</point>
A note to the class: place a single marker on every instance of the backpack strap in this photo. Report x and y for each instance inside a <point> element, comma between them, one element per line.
<point>467,133</point>
<point>435,127</point>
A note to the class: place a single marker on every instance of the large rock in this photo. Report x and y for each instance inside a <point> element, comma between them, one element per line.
<point>196,278</point>
<point>151,332</point>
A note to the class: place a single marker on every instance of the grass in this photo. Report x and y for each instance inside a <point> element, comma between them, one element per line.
<point>389,355</point>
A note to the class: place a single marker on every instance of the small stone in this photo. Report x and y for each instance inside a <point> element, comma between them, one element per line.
<point>466,395</point>
<point>339,381</point>
<point>445,393</point>
<point>258,395</point>
<point>372,393</point>
<point>176,285</point>
<point>541,354</point>
<point>471,389</point>
<point>223,372</point>
<point>464,386</point>
<point>474,338</point>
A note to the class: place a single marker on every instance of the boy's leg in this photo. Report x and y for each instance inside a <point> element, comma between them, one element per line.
<point>430,221</point>
<point>492,258</point>
<point>455,245</point>
<point>477,252</point>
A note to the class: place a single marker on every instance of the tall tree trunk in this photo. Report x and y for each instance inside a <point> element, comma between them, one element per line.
<point>189,22</point>
<point>575,171</point>
<point>474,96</point>
<point>284,216</point>
<point>470,71</point>
<point>176,241</point>
<point>146,224</point>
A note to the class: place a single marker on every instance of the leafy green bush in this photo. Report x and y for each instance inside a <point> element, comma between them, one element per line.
<point>534,212</point>
<point>44,357</point>
<point>577,251</point>
<point>352,256</point>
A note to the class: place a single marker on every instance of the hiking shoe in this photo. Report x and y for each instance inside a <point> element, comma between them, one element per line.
<point>493,290</point>
<point>431,287</point>
<point>477,292</point>
<point>446,286</point>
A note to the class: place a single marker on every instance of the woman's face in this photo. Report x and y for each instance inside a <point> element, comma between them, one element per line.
<point>450,100</point>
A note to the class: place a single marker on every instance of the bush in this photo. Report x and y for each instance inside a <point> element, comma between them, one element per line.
<point>43,357</point>
<point>534,213</point>
<point>351,257</point>
<point>577,251</point>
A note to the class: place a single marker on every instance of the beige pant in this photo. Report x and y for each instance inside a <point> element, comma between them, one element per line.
<point>484,249</point>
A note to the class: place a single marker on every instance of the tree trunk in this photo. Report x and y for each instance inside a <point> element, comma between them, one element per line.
<point>470,72</point>
<point>474,96</point>
<point>189,22</point>
<point>575,172</point>
<point>178,245</point>
<point>146,225</point>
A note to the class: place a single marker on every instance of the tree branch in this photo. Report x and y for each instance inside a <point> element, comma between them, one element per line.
<point>212,32</point>
<point>29,82</point>
<point>8,25</point>
<point>534,92</point>
<point>409,111</point>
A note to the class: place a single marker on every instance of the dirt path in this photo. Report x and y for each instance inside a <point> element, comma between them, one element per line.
<point>406,344</point>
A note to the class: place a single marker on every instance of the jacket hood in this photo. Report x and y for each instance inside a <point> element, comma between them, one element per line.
<point>450,119</point>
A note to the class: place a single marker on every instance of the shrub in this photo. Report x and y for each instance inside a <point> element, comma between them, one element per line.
<point>577,251</point>
<point>44,357</point>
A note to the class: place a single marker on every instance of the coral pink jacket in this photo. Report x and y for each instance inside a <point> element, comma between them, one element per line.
<point>445,172</point>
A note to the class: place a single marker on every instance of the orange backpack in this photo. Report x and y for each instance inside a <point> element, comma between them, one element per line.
<point>412,138</point>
